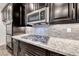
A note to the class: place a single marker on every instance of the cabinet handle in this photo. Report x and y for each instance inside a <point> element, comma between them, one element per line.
<point>20,15</point>
<point>19,49</point>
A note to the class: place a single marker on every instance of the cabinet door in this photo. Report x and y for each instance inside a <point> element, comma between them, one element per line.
<point>55,54</point>
<point>9,12</point>
<point>42,5</point>
<point>9,29</point>
<point>4,14</point>
<point>27,49</point>
<point>18,14</point>
<point>29,7</point>
<point>61,10</point>
<point>77,11</point>
<point>15,47</point>
<point>9,41</point>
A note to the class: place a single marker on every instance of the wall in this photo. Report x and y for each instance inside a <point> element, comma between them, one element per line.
<point>2,26</point>
<point>2,32</point>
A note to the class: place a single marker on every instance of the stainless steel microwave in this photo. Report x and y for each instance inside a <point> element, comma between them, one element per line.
<point>38,16</point>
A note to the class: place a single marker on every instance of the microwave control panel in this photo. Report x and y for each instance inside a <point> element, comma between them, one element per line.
<point>42,15</point>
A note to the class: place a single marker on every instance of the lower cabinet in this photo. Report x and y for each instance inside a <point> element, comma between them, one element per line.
<point>30,50</point>
<point>55,54</point>
<point>15,47</point>
<point>25,49</point>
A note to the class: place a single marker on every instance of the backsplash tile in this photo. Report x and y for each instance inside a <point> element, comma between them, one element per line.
<point>58,30</point>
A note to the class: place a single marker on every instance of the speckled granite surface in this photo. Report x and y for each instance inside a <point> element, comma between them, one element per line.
<point>60,41</point>
<point>58,30</point>
<point>59,45</point>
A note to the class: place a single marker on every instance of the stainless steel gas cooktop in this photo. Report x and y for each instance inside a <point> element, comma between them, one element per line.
<point>37,38</point>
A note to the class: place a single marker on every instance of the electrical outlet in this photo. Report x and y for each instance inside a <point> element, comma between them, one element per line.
<point>68,29</point>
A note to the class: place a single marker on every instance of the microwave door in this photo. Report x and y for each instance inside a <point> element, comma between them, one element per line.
<point>38,16</point>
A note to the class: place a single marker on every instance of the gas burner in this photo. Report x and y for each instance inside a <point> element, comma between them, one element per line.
<point>38,38</point>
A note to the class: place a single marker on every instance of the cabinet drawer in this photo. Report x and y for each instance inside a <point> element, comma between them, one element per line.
<point>33,50</point>
<point>55,54</point>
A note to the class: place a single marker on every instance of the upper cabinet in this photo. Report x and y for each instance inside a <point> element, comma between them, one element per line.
<point>77,11</point>
<point>41,5</point>
<point>18,14</point>
<point>29,7</point>
<point>61,10</point>
<point>7,14</point>
<point>14,13</point>
<point>4,15</point>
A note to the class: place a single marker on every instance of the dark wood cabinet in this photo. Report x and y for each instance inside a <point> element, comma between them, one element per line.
<point>29,7</point>
<point>8,19</point>
<point>4,15</point>
<point>25,49</point>
<point>55,54</point>
<point>12,16</point>
<point>18,14</point>
<point>14,12</point>
<point>30,50</point>
<point>15,47</point>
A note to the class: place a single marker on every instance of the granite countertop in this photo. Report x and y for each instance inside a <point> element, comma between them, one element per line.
<point>59,45</point>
